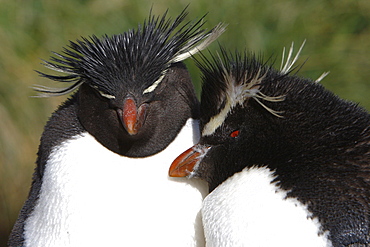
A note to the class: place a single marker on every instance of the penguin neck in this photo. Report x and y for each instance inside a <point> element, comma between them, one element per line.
<point>250,209</point>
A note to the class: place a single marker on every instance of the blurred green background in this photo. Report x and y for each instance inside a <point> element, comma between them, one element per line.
<point>337,33</point>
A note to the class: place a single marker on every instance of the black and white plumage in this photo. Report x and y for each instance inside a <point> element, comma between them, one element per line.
<point>101,176</point>
<point>287,161</point>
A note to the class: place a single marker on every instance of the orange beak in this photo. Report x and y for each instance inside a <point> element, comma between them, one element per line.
<point>186,162</point>
<point>133,118</point>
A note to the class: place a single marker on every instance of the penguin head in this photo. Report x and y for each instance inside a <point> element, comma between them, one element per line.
<point>233,107</point>
<point>255,115</point>
<point>316,145</point>
<point>134,92</point>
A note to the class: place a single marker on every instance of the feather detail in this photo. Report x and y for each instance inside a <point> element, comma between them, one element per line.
<point>232,79</point>
<point>321,77</point>
<point>138,57</point>
<point>190,51</point>
<point>286,67</point>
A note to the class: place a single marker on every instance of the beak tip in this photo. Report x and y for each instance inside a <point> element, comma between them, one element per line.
<point>177,172</point>
<point>131,130</point>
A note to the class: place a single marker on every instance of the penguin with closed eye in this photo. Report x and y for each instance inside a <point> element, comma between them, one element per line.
<point>101,175</point>
<point>287,161</point>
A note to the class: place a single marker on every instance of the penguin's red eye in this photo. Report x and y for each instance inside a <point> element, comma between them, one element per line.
<point>234,133</point>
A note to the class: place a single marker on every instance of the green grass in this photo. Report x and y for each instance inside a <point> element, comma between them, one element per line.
<point>337,34</point>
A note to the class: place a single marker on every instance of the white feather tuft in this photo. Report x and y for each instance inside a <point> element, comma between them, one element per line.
<point>288,64</point>
<point>44,91</point>
<point>188,51</point>
<point>321,77</point>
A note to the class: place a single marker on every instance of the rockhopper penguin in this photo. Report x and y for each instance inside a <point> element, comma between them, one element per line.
<point>287,161</point>
<point>101,176</point>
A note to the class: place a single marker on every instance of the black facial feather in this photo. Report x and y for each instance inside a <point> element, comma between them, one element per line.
<point>137,57</point>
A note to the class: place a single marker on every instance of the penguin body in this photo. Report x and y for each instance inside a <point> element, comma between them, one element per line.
<point>91,196</point>
<point>100,179</point>
<point>248,205</point>
<point>287,155</point>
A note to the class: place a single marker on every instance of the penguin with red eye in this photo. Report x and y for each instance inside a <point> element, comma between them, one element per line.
<point>101,175</point>
<point>287,162</point>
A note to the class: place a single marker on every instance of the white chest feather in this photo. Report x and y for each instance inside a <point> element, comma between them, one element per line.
<point>93,197</point>
<point>248,210</point>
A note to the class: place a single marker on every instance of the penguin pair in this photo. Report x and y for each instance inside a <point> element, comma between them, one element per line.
<point>287,162</point>
<point>101,175</point>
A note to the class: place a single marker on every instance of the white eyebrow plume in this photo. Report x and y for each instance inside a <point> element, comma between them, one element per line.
<point>44,91</point>
<point>155,84</point>
<point>321,77</point>
<point>288,64</point>
<point>189,51</point>
<point>238,94</point>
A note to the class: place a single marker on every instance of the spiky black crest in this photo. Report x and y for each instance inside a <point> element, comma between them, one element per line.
<point>139,57</point>
<point>232,78</point>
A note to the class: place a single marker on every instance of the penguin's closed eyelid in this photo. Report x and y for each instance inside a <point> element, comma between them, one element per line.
<point>102,94</point>
<point>107,96</point>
